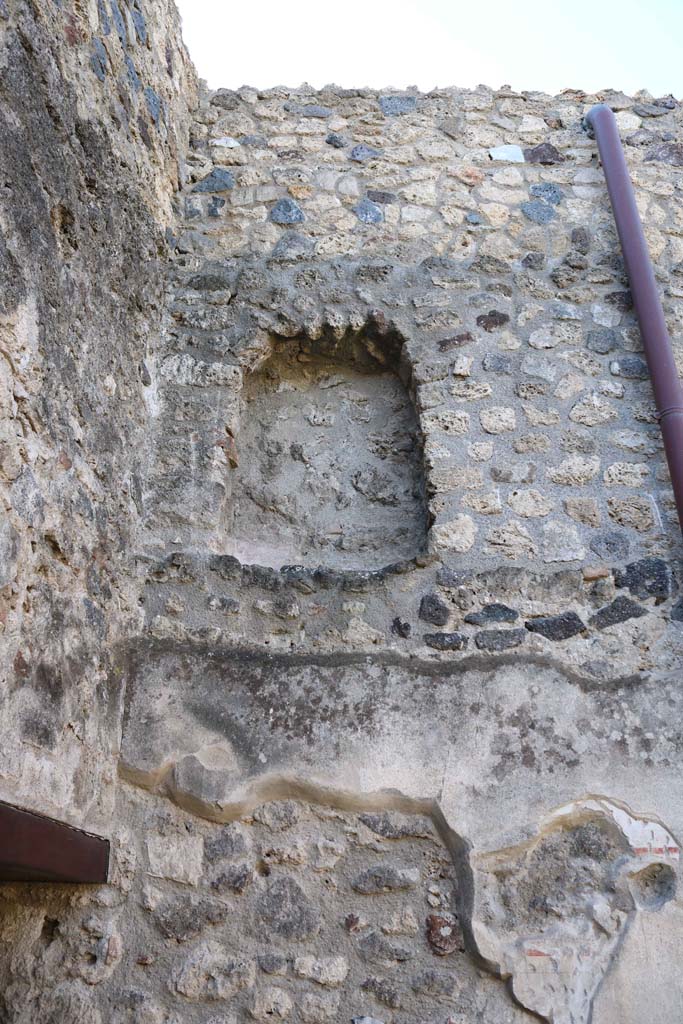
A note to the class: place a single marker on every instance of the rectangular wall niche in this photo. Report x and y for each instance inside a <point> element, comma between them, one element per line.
<point>331,468</point>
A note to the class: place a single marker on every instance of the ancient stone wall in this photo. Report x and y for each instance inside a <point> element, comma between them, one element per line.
<point>342,572</point>
<point>94,109</point>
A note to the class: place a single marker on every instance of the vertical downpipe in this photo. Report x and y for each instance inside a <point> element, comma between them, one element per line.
<point>656,341</point>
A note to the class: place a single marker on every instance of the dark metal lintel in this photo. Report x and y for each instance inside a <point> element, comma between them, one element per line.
<point>34,848</point>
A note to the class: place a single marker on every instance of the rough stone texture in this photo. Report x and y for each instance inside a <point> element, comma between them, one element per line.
<point>377,928</point>
<point>88,178</point>
<point>332,489</point>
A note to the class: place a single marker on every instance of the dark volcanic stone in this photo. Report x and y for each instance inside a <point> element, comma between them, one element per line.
<point>286,211</point>
<point>623,300</point>
<point>602,340</point>
<point>234,878</point>
<point>400,628</point>
<point>379,196</point>
<point>648,577</point>
<point>499,639</point>
<point>392,106</point>
<point>551,193</point>
<point>621,609</point>
<point>216,204</point>
<point>534,261</point>
<point>286,910</point>
<point>677,612</point>
<point>433,609</point>
<point>545,153</point>
<point>219,180</point>
<point>184,919</point>
<point>445,641</point>
<point>498,362</point>
<point>214,280</point>
<point>119,23</point>
<point>450,578</point>
<point>610,545</point>
<point>650,110</point>
<point>556,627</point>
<point>361,153</point>
<point>309,110</point>
<point>368,212</point>
<point>98,59</point>
<point>492,613</point>
<point>153,103</point>
<point>630,367</point>
<point>292,247</point>
<point>538,211</point>
<point>667,153</point>
<point>492,320</point>
<point>131,72</point>
<point>139,22</point>
<point>336,141</point>
<point>581,240</point>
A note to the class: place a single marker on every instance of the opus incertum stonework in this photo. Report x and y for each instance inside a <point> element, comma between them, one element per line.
<point>340,574</point>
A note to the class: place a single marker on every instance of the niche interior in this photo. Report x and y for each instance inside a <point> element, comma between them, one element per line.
<point>331,462</point>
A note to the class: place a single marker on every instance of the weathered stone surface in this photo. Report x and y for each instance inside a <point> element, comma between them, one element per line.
<point>668,153</point>
<point>556,627</point>
<point>285,909</point>
<point>445,641</point>
<point>331,971</point>
<point>544,153</point>
<point>433,609</point>
<point>648,577</point>
<point>538,211</point>
<point>204,603</point>
<point>286,211</point>
<point>183,920</point>
<point>368,212</point>
<point>611,545</point>
<point>620,610</point>
<point>219,180</point>
<point>444,934</point>
<point>492,613</point>
<point>208,974</point>
<point>384,878</point>
<point>499,639</point>
<point>396,105</point>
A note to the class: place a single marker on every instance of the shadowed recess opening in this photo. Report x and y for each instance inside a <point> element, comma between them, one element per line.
<point>331,468</point>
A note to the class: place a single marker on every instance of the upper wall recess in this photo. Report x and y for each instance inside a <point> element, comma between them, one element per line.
<point>330,457</point>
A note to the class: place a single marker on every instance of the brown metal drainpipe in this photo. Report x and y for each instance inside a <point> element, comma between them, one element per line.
<point>656,341</point>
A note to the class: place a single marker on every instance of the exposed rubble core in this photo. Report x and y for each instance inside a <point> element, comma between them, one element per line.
<point>330,460</point>
<point>340,578</point>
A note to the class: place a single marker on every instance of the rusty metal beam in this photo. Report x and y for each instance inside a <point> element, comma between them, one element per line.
<point>38,849</point>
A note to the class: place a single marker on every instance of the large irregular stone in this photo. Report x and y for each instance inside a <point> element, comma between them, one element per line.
<point>385,878</point>
<point>209,974</point>
<point>285,910</point>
